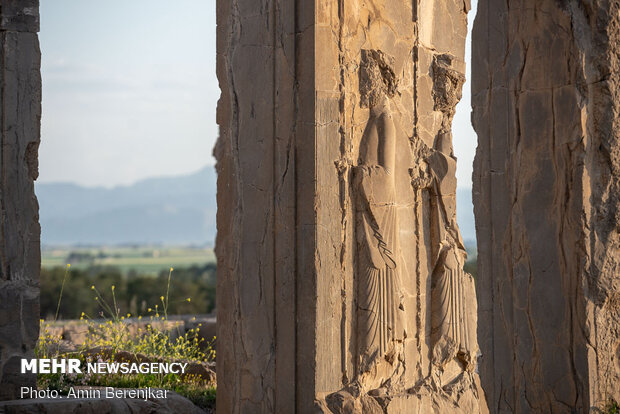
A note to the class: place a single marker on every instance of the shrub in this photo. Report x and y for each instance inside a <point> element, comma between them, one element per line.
<point>111,337</point>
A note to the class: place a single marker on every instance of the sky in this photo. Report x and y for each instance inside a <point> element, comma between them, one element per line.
<point>130,91</point>
<point>463,135</point>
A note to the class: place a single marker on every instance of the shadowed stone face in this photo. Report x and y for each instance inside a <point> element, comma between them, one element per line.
<point>547,195</point>
<point>20,261</point>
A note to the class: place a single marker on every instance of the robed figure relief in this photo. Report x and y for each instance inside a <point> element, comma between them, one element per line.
<point>380,315</point>
<point>453,328</point>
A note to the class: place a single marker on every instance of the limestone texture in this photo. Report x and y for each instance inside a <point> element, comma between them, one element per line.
<point>20,260</point>
<point>340,264</point>
<point>546,99</point>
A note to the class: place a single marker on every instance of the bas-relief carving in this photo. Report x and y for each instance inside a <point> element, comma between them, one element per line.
<point>381,273</point>
<point>453,327</point>
<point>453,332</point>
<point>380,266</point>
<point>351,227</point>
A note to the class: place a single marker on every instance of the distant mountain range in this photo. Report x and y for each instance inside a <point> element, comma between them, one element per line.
<point>167,210</point>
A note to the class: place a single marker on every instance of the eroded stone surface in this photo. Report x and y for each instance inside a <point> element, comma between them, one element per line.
<point>20,260</point>
<point>19,15</point>
<point>547,202</point>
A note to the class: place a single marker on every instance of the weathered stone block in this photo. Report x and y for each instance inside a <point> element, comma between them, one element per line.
<point>20,255</point>
<point>12,378</point>
<point>19,15</point>
<point>339,259</point>
<point>546,194</point>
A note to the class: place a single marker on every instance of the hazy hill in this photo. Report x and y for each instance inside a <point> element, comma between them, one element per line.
<point>465,215</point>
<point>167,210</point>
<point>170,210</point>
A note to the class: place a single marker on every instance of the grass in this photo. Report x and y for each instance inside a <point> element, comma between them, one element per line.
<point>612,407</point>
<point>110,340</point>
<point>142,259</point>
<point>201,394</point>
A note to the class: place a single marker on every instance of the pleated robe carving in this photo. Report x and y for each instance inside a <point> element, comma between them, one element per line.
<point>380,311</point>
<point>451,320</point>
<point>453,329</point>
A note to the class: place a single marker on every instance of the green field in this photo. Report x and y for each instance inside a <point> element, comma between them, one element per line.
<point>142,259</point>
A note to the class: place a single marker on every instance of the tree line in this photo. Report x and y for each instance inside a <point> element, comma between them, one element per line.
<point>192,291</point>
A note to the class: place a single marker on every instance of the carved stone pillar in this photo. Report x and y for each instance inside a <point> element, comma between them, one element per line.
<point>340,280</point>
<point>20,256</point>
<point>546,97</point>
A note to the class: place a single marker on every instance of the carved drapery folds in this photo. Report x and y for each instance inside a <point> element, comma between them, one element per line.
<point>383,280</point>
<point>453,329</point>
<point>381,326</point>
<point>336,211</point>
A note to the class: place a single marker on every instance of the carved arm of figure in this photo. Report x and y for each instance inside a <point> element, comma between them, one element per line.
<point>387,140</point>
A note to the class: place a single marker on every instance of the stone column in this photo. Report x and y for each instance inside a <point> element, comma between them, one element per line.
<point>340,280</point>
<point>20,256</point>
<point>546,97</point>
